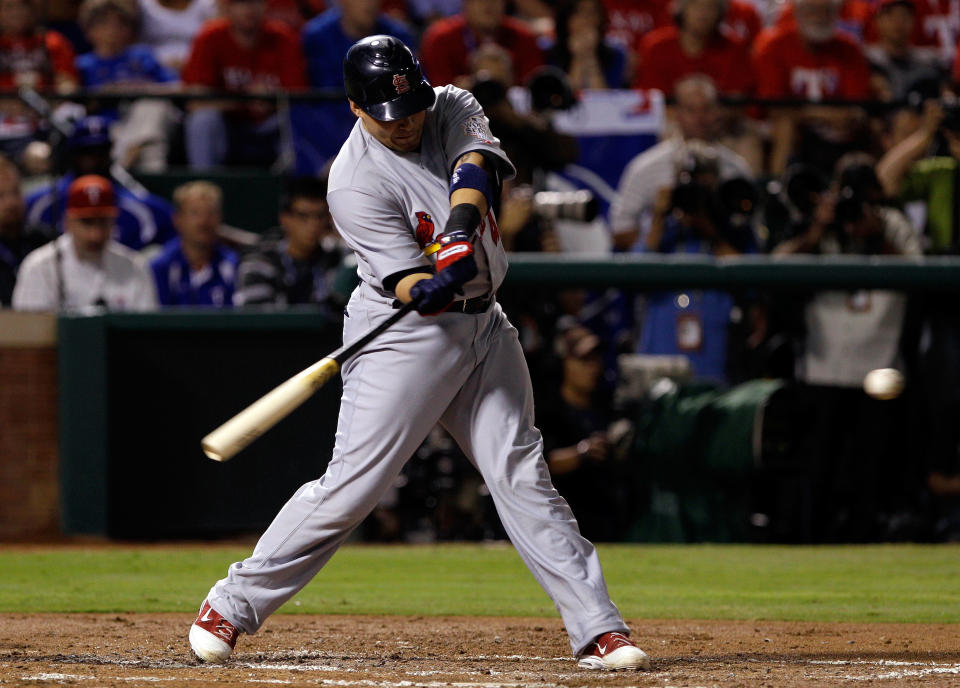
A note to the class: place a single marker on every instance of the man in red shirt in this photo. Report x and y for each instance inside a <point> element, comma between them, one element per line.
<point>447,45</point>
<point>696,44</point>
<point>244,53</point>
<point>33,57</point>
<point>811,60</point>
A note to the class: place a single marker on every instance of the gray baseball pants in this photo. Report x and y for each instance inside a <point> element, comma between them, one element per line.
<point>468,373</point>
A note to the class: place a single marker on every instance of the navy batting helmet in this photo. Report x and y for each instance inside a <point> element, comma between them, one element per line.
<point>384,79</point>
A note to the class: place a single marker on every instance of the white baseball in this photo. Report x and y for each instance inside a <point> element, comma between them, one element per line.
<point>883,383</point>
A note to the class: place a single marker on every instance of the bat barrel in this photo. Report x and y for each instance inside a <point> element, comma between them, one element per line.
<point>224,442</point>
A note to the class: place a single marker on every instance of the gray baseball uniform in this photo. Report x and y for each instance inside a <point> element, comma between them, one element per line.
<point>464,371</point>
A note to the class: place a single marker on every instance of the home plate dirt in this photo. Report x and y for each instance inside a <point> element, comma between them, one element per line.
<point>468,652</point>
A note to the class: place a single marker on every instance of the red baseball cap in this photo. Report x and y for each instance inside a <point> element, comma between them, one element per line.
<point>91,196</point>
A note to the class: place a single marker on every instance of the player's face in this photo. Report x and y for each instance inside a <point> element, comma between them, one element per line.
<point>90,234</point>
<point>401,135</point>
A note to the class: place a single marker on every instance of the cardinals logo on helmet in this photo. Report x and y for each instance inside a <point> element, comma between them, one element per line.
<point>400,83</point>
<point>425,228</point>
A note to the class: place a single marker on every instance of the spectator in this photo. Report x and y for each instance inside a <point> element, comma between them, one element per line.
<point>529,138</point>
<point>851,218</point>
<point>242,53</point>
<point>32,57</point>
<point>194,269</point>
<point>301,266</point>
<point>853,17</point>
<point>143,220</point>
<point>689,217</point>
<point>581,47</point>
<point>915,170</point>
<point>448,44</point>
<point>17,238</point>
<point>169,26</point>
<point>574,420</point>
<point>695,45</point>
<point>812,60</point>
<point>697,118</point>
<point>328,36</point>
<point>742,21</point>
<point>935,29</point>
<point>856,444</point>
<point>908,173</point>
<point>898,65</point>
<point>85,267</point>
<point>141,136</point>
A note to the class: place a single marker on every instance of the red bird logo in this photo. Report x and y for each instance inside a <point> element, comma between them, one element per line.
<point>425,229</point>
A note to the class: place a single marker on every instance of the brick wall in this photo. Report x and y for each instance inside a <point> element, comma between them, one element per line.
<point>29,481</point>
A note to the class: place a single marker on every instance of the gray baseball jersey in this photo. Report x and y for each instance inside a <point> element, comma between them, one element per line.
<point>464,371</point>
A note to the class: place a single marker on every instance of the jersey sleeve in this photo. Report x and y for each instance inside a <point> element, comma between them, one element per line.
<point>376,230</point>
<point>464,128</point>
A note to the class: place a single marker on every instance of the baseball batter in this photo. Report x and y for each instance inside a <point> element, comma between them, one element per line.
<point>421,167</point>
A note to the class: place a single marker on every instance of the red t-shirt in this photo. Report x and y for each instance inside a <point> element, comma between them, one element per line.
<point>219,62</point>
<point>628,21</point>
<point>663,62</point>
<point>38,59</point>
<point>447,45</point>
<point>786,68</point>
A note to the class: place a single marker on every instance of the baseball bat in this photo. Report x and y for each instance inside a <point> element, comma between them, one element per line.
<point>223,443</point>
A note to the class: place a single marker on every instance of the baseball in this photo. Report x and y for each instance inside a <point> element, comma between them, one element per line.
<point>883,383</point>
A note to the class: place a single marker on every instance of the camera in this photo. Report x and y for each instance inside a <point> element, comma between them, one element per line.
<point>565,205</point>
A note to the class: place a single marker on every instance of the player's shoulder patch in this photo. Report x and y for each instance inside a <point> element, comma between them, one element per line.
<point>477,127</point>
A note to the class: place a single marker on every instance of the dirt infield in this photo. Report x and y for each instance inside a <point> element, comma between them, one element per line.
<point>387,652</point>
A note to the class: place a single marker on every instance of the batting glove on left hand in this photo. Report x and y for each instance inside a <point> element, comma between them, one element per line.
<point>434,295</point>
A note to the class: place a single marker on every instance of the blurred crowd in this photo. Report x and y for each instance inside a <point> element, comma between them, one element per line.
<point>820,127</point>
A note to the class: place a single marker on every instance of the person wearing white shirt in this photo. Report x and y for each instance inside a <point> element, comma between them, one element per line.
<point>697,118</point>
<point>85,267</point>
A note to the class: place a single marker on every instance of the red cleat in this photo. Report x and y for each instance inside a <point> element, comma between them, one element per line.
<point>612,651</point>
<point>212,638</point>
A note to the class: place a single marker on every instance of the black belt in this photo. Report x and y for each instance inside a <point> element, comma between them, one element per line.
<point>479,304</point>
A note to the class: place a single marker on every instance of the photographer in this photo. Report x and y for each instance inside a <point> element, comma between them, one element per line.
<point>916,169</point>
<point>855,444</point>
<point>698,119</point>
<point>850,217</point>
<point>699,214</point>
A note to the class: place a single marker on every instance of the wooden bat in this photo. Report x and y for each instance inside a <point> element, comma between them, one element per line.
<point>224,442</point>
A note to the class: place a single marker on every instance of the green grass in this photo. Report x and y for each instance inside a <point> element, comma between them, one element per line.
<point>883,583</point>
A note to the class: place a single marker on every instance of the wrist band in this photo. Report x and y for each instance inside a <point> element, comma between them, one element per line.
<point>464,217</point>
<point>470,176</point>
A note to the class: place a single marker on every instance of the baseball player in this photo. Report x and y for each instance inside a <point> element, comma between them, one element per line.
<point>421,167</point>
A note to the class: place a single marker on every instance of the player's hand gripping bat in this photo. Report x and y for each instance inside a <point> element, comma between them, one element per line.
<point>224,442</point>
